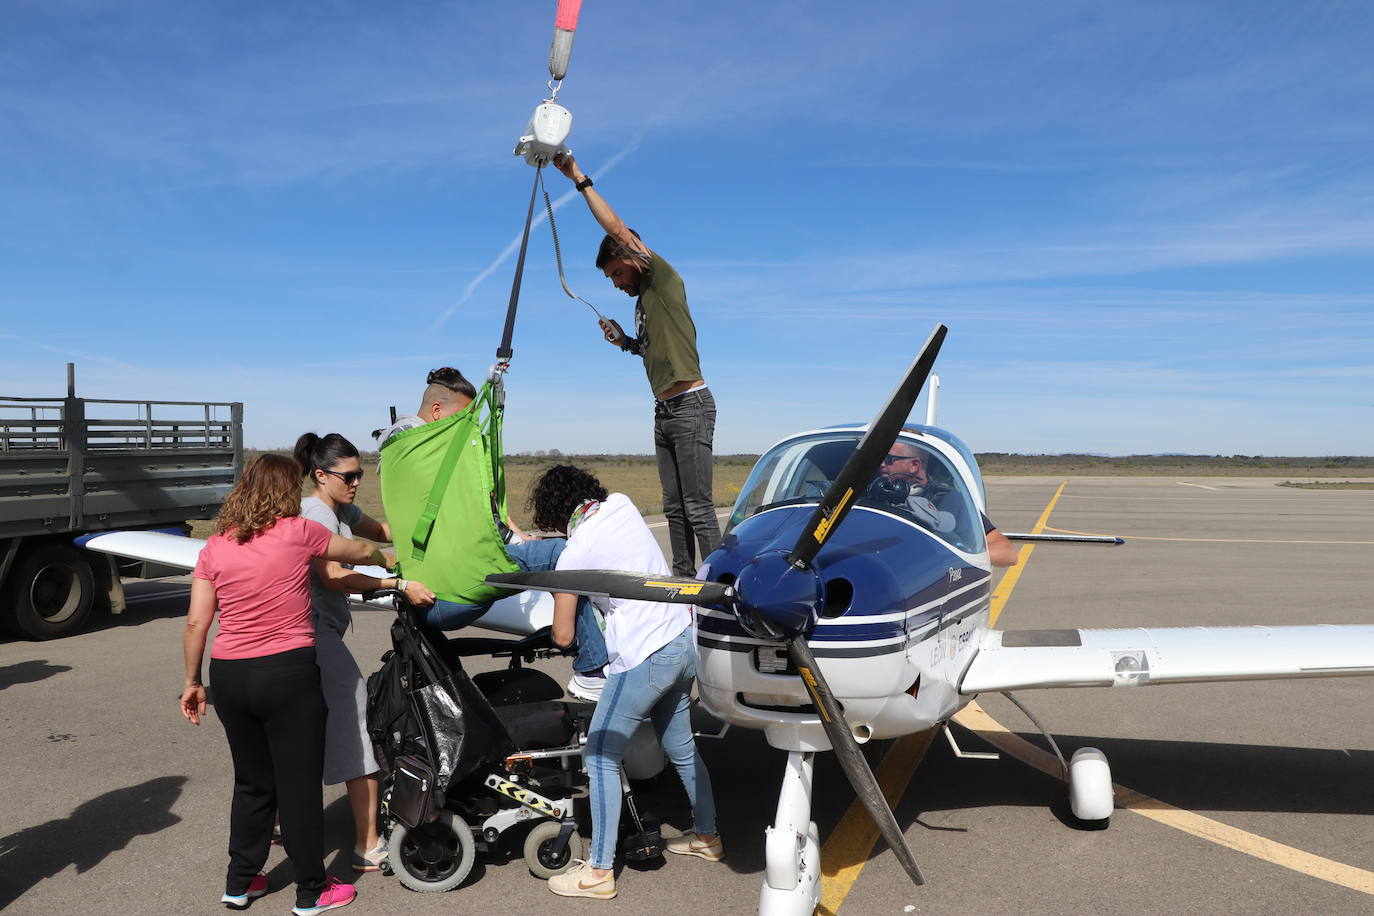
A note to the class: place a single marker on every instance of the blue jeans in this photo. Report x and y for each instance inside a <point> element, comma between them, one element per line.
<point>684,428</point>
<point>656,689</point>
<point>532,556</point>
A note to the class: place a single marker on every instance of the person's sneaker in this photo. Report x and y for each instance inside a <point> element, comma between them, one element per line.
<point>372,859</point>
<point>256,888</point>
<point>579,881</point>
<point>587,687</point>
<point>690,844</point>
<point>336,894</point>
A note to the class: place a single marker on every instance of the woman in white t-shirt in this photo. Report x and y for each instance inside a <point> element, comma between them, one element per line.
<point>649,675</point>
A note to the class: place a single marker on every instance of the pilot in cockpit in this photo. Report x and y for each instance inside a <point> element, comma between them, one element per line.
<point>904,480</point>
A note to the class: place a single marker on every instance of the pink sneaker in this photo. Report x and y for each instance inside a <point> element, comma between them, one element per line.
<point>336,894</point>
<point>256,888</point>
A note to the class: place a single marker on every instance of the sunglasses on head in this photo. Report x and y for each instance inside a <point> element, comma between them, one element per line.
<point>350,478</point>
<point>447,376</point>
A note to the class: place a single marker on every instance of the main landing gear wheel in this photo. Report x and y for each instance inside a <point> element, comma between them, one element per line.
<point>434,857</point>
<point>1090,788</point>
<point>539,850</point>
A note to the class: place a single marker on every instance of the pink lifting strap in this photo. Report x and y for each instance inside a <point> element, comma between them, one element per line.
<point>566,18</point>
<point>564,25</point>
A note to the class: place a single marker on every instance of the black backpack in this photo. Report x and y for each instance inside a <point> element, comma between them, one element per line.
<point>417,705</point>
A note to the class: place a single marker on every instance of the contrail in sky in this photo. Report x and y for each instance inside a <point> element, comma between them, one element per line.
<point>539,218</point>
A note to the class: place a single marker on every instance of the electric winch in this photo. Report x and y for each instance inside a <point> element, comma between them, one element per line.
<point>551,123</point>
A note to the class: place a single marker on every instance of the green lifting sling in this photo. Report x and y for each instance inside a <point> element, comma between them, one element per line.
<point>441,483</point>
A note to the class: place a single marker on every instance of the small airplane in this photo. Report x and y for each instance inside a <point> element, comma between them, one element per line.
<point>842,608</point>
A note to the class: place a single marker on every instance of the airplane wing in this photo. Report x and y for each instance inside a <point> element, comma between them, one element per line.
<point>1024,659</point>
<point>521,614</point>
<point>172,550</point>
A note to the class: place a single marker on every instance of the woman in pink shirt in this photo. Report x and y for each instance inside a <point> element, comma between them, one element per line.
<point>256,571</point>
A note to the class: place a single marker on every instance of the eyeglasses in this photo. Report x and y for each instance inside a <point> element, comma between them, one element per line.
<point>350,478</point>
<point>890,458</point>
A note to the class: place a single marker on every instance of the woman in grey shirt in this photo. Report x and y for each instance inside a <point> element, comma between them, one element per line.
<point>331,464</point>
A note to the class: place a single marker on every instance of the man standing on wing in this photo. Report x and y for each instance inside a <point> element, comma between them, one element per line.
<point>666,339</point>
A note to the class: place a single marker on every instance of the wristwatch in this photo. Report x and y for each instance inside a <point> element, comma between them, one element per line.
<point>584,184</point>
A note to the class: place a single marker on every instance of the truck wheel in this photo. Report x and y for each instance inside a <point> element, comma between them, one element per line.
<point>51,592</point>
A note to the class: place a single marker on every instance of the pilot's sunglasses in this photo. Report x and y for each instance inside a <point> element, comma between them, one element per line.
<point>350,478</point>
<point>890,458</point>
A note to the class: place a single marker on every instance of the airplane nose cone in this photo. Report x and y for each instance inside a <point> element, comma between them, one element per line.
<point>775,598</point>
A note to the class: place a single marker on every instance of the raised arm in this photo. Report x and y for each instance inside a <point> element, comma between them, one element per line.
<point>609,221</point>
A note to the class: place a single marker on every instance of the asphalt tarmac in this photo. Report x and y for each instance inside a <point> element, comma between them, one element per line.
<point>1257,794</point>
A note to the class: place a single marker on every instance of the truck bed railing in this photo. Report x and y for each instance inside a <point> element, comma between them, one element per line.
<point>45,424</point>
<point>96,464</point>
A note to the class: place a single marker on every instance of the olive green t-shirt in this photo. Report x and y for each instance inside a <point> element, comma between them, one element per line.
<point>663,324</point>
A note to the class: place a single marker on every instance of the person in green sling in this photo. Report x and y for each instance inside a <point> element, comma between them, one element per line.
<point>666,339</point>
<point>448,393</point>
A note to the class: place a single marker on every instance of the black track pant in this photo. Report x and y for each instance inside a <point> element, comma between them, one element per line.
<point>273,714</point>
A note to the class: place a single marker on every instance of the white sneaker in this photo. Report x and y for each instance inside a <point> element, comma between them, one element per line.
<point>372,859</point>
<point>586,687</point>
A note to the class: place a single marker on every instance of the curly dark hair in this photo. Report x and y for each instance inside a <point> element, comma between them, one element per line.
<point>559,491</point>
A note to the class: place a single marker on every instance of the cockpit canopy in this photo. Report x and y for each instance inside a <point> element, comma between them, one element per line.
<point>800,470</point>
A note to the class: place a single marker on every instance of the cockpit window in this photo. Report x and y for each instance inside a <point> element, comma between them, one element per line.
<point>915,482</point>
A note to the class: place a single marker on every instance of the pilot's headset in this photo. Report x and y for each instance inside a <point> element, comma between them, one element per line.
<point>894,491</point>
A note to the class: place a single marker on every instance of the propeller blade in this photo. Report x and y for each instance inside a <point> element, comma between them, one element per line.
<point>611,583</point>
<point>851,758</point>
<point>868,457</point>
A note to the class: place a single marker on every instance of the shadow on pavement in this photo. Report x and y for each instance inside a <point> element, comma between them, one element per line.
<point>84,838</point>
<point>150,599</point>
<point>27,672</point>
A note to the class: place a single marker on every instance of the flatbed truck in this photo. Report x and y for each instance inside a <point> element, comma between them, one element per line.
<point>73,466</point>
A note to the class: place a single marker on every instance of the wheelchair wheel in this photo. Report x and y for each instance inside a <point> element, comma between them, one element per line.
<point>539,850</point>
<point>434,857</point>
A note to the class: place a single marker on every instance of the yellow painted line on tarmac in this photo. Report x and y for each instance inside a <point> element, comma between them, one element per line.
<point>1013,575</point>
<point>976,719</point>
<point>847,849</point>
<point>1141,537</point>
<point>849,845</point>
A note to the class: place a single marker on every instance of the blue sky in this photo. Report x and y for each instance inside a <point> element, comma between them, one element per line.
<point>1148,225</point>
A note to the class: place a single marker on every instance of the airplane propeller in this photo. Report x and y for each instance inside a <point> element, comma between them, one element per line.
<point>868,457</point>
<point>789,592</point>
<point>612,583</point>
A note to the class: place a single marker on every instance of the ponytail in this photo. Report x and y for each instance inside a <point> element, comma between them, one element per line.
<point>321,452</point>
<point>305,446</point>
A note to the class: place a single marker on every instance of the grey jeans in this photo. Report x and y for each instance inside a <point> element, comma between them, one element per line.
<point>684,427</point>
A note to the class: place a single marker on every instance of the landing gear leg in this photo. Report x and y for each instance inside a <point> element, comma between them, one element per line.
<point>1087,776</point>
<point>792,850</point>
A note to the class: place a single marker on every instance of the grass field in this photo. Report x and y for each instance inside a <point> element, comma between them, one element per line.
<point>637,475</point>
